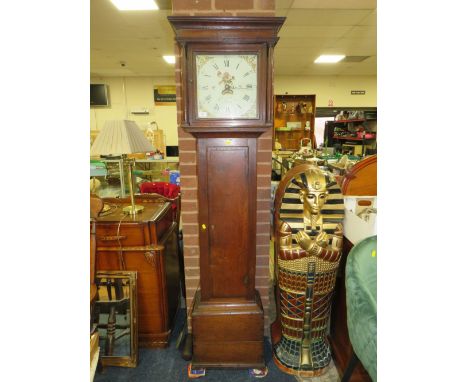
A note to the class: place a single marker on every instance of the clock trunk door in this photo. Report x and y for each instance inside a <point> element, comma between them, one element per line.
<point>227,199</point>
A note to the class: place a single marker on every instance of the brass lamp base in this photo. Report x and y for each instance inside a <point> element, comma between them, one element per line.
<point>133,211</point>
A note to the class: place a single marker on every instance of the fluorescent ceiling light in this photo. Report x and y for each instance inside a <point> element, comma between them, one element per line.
<point>135,5</point>
<point>329,58</point>
<point>169,59</point>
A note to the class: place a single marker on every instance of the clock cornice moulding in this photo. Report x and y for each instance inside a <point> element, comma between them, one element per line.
<point>206,28</point>
<point>231,36</point>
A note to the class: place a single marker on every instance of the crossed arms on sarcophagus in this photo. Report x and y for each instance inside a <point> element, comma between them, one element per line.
<point>323,245</point>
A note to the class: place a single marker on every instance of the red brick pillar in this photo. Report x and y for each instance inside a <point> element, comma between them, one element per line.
<point>188,165</point>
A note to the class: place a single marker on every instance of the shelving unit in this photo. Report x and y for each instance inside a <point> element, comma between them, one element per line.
<point>292,112</point>
<point>343,136</point>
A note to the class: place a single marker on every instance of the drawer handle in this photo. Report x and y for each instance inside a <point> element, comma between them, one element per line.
<point>112,238</point>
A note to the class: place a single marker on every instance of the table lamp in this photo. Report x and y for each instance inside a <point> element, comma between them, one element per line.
<point>122,137</point>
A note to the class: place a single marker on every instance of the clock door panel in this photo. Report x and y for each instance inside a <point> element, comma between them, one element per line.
<point>227,179</point>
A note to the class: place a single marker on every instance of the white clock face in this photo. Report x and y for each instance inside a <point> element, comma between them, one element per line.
<point>227,86</point>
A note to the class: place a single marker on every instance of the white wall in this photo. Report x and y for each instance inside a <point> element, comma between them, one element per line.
<point>126,93</point>
<point>129,92</point>
<point>336,88</point>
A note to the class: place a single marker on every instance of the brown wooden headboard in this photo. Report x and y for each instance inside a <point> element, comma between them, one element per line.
<point>362,178</point>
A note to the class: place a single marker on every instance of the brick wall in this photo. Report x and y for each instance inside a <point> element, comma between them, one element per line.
<point>188,165</point>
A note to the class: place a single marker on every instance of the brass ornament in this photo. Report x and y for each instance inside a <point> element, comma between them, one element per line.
<point>151,258</point>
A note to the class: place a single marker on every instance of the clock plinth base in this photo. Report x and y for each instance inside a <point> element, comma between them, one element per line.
<point>228,334</point>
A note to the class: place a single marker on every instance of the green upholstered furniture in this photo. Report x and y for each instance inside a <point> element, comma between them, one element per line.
<point>361,302</point>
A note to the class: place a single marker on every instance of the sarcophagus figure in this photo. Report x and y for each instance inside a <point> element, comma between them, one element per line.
<point>308,240</point>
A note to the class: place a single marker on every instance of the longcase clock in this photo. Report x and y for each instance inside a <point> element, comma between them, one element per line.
<point>227,66</point>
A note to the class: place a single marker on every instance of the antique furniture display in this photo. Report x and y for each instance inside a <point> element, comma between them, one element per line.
<point>145,243</point>
<point>308,239</point>
<point>361,180</point>
<point>361,303</point>
<point>115,316</point>
<point>294,120</point>
<point>227,66</point>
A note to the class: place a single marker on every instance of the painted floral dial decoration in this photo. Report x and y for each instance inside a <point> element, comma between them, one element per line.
<point>227,86</point>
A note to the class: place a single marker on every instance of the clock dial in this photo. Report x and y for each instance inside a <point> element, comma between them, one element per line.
<point>227,86</point>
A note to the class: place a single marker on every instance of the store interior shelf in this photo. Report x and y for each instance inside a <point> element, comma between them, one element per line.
<point>350,120</point>
<point>352,138</point>
<point>294,120</point>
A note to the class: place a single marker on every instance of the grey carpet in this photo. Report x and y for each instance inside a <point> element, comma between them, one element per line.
<point>167,365</point>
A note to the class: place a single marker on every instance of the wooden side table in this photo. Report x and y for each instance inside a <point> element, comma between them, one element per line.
<point>146,243</point>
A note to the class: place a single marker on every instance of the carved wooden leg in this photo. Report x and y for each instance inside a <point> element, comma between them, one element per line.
<point>110,332</point>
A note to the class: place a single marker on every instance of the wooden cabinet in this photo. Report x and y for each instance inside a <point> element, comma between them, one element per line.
<point>294,120</point>
<point>146,243</point>
<point>228,314</point>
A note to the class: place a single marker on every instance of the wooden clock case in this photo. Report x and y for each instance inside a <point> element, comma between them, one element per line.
<point>227,316</point>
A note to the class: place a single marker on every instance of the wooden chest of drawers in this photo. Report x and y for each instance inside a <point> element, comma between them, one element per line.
<point>146,243</point>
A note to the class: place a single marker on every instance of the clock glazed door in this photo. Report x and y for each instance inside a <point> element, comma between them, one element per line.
<point>227,196</point>
<point>227,85</point>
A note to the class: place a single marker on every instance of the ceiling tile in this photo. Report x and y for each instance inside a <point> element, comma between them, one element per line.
<point>311,28</point>
<point>308,32</point>
<point>325,17</point>
<point>370,19</point>
<point>283,4</point>
<point>335,4</point>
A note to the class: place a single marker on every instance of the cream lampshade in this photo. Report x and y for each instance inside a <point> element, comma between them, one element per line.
<point>122,137</point>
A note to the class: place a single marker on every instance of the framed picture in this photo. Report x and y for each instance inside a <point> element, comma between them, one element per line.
<point>164,95</point>
<point>115,317</point>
